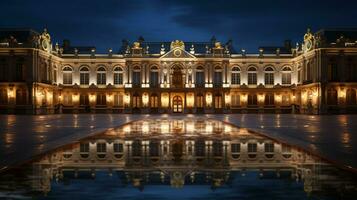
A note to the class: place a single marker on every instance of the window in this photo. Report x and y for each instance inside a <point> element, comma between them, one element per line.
<point>84,148</point>
<point>252,147</point>
<point>154,149</point>
<point>118,100</point>
<point>235,77</point>
<point>67,75</point>
<point>200,148</point>
<point>19,70</point>
<point>269,99</point>
<point>217,77</point>
<point>200,77</point>
<point>67,99</point>
<point>286,76</point>
<point>332,71</point>
<point>235,148</point>
<point>269,76</point>
<point>351,97</point>
<point>4,71</point>
<point>101,99</point>
<point>154,77</point>
<point>218,101</point>
<point>252,100</point>
<point>217,148</point>
<point>84,76</point>
<point>3,97</point>
<point>331,96</point>
<point>136,100</point>
<point>199,101</point>
<point>20,97</point>
<point>55,75</point>
<point>101,76</point>
<point>118,76</point>
<point>299,75</point>
<point>101,147</point>
<point>136,77</point>
<point>235,100</point>
<point>136,148</point>
<point>118,148</point>
<point>269,147</point>
<point>83,100</point>
<point>154,101</point>
<point>252,76</point>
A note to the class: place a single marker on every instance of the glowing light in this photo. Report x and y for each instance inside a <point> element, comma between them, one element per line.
<point>127,99</point>
<point>110,98</point>
<point>11,93</point>
<point>92,98</point>
<point>145,127</point>
<point>127,129</point>
<point>342,93</point>
<point>244,98</point>
<point>165,127</point>
<point>165,100</point>
<point>209,99</point>
<point>278,98</point>
<point>190,100</point>
<point>75,97</point>
<point>261,98</point>
<point>145,99</point>
<point>190,127</point>
<point>227,99</point>
<point>209,128</point>
<point>227,129</point>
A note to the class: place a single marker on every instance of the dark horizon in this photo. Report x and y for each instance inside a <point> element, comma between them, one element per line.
<point>249,24</point>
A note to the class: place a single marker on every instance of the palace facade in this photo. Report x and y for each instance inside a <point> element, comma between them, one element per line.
<point>317,77</point>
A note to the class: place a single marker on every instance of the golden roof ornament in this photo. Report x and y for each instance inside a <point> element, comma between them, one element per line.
<point>136,45</point>
<point>177,44</point>
<point>217,45</point>
<point>308,35</point>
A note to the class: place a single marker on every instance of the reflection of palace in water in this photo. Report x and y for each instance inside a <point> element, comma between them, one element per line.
<point>317,76</point>
<point>179,152</point>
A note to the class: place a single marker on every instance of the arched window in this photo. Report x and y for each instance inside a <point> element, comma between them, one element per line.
<point>351,97</point>
<point>84,76</point>
<point>252,100</point>
<point>200,77</point>
<point>269,99</point>
<point>286,76</point>
<point>154,77</point>
<point>269,76</point>
<point>252,76</point>
<point>67,75</point>
<point>332,96</point>
<point>101,76</point>
<point>118,76</point>
<point>235,77</point>
<point>136,77</point>
<point>217,77</point>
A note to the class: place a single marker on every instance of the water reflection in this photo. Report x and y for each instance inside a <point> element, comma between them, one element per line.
<point>180,154</point>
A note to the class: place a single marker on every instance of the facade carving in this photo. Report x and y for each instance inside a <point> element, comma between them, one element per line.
<point>317,77</point>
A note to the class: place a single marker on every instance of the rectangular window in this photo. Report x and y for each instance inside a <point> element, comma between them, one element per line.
<point>154,79</point>
<point>101,79</point>
<point>84,148</point>
<point>286,78</point>
<point>199,101</point>
<point>235,148</point>
<point>67,78</point>
<point>235,100</point>
<point>235,78</point>
<point>118,147</point>
<point>101,99</point>
<point>84,99</point>
<point>136,79</point>
<point>118,100</point>
<point>101,147</point>
<point>252,78</point>
<point>269,78</point>
<point>200,80</point>
<point>84,78</point>
<point>118,78</point>
<point>218,101</point>
<point>218,79</point>
<point>252,147</point>
<point>269,147</point>
<point>299,76</point>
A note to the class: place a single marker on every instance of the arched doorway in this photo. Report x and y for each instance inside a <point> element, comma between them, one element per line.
<point>177,80</point>
<point>177,104</point>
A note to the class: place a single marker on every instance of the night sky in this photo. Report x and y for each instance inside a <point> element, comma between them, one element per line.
<point>249,23</point>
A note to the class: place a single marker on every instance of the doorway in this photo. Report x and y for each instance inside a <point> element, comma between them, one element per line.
<point>177,104</point>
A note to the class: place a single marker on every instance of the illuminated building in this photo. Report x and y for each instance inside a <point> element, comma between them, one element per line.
<point>319,76</point>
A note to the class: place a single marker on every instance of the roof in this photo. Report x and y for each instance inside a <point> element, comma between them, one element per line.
<point>22,35</point>
<point>331,35</point>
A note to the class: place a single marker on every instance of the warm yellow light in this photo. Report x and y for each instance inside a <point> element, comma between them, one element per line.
<point>261,98</point>
<point>75,97</point>
<point>165,127</point>
<point>209,127</point>
<point>145,99</point>
<point>244,98</point>
<point>145,127</point>
<point>227,128</point>
<point>110,98</point>
<point>127,99</point>
<point>10,93</point>
<point>227,99</point>
<point>209,99</point>
<point>190,127</point>
<point>342,93</point>
<point>165,100</point>
<point>278,98</point>
<point>190,100</point>
<point>127,129</point>
<point>49,97</point>
<point>92,98</point>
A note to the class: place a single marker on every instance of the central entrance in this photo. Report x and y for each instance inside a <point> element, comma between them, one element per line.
<point>177,104</point>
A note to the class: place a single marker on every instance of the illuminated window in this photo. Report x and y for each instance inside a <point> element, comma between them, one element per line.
<point>67,76</point>
<point>199,101</point>
<point>84,76</point>
<point>101,76</point>
<point>218,101</point>
<point>269,76</point>
<point>252,76</point>
<point>235,77</point>
<point>286,76</point>
<point>235,99</point>
<point>118,76</point>
<point>154,101</point>
<point>136,100</point>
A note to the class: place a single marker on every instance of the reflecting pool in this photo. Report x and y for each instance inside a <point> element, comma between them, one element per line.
<point>178,159</point>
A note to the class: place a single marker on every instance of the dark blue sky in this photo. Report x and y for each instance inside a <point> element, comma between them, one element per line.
<point>250,23</point>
